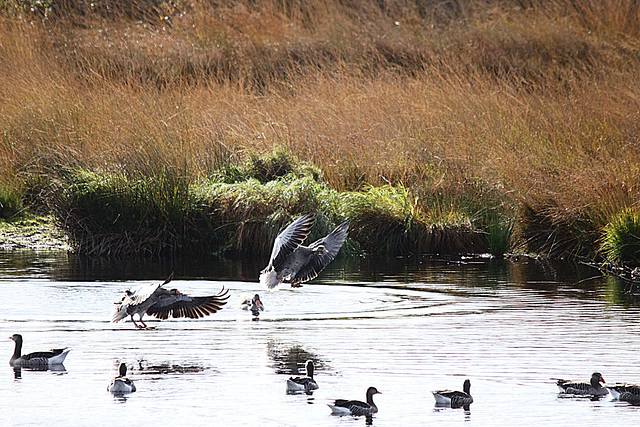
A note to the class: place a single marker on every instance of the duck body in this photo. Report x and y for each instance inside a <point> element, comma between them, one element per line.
<point>303,384</point>
<point>617,389</point>
<point>454,398</point>
<point>121,384</point>
<point>163,303</point>
<point>356,407</point>
<point>583,388</point>
<point>253,304</point>
<point>629,397</point>
<point>36,360</point>
<point>293,263</point>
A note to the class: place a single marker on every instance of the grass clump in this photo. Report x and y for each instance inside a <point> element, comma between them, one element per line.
<point>620,242</point>
<point>116,213</point>
<point>265,168</point>
<point>389,220</point>
<point>10,201</point>
<point>252,213</point>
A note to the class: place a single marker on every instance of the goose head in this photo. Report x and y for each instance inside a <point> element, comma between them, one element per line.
<point>596,379</point>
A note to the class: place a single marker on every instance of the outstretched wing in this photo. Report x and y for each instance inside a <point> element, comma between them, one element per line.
<point>290,239</point>
<point>182,305</point>
<point>319,260</point>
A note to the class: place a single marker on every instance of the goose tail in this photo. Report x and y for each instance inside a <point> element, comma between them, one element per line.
<point>269,279</point>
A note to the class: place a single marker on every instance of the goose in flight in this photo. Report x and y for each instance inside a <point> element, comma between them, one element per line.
<point>162,303</point>
<point>37,360</point>
<point>291,262</point>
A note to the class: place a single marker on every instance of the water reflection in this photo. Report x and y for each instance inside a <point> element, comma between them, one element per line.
<point>55,369</point>
<point>289,359</point>
<point>166,368</point>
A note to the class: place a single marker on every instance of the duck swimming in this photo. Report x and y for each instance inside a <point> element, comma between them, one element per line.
<point>121,384</point>
<point>303,384</point>
<point>583,388</point>
<point>356,407</point>
<point>251,304</point>
<point>36,360</point>
<point>454,398</point>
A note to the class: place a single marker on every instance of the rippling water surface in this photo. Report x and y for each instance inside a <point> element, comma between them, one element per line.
<point>404,326</point>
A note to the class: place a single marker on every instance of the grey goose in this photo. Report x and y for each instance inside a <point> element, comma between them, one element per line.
<point>162,303</point>
<point>303,384</point>
<point>583,388</point>
<point>121,384</point>
<point>36,360</point>
<point>293,263</point>
<point>454,398</point>
<point>356,407</point>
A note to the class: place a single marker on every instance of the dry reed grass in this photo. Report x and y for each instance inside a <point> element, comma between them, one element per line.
<point>527,106</point>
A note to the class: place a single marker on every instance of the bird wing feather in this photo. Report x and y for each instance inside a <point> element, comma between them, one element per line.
<point>319,260</point>
<point>183,305</point>
<point>290,239</point>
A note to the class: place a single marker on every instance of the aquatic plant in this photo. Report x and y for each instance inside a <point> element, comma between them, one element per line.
<point>620,242</point>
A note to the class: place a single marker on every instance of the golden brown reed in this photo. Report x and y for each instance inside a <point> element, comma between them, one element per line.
<point>534,100</point>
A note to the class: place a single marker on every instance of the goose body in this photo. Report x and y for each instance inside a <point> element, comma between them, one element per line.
<point>454,398</point>
<point>252,304</point>
<point>303,384</point>
<point>293,263</point>
<point>583,388</point>
<point>163,303</point>
<point>618,389</point>
<point>36,360</point>
<point>121,384</point>
<point>632,398</point>
<point>356,407</point>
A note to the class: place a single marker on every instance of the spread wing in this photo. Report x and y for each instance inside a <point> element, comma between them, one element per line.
<point>290,239</point>
<point>143,293</point>
<point>183,305</point>
<point>319,260</point>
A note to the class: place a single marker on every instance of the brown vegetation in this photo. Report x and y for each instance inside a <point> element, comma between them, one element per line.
<point>525,109</point>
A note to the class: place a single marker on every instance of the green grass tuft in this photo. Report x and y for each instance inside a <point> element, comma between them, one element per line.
<point>621,240</point>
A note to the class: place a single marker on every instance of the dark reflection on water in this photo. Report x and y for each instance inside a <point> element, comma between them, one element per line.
<point>165,368</point>
<point>56,369</point>
<point>548,278</point>
<point>290,359</point>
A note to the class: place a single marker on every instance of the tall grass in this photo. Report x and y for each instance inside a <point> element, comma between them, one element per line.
<point>473,107</point>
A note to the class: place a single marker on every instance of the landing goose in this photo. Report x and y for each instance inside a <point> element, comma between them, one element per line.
<point>121,384</point>
<point>356,407</point>
<point>37,360</point>
<point>293,263</point>
<point>303,384</point>
<point>251,304</point>
<point>164,303</point>
<point>453,398</point>
<point>583,388</point>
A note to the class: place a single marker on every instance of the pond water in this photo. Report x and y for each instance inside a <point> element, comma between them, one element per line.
<point>405,326</point>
